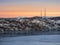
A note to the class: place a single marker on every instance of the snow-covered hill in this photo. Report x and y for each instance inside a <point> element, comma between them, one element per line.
<point>28,25</point>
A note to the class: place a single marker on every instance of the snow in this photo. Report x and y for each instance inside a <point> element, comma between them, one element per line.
<point>31,40</point>
<point>58,21</point>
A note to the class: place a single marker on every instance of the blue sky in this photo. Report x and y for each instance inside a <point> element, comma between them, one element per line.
<point>29,1</point>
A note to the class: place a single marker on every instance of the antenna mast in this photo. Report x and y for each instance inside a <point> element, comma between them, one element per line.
<point>45,12</point>
<point>41,12</point>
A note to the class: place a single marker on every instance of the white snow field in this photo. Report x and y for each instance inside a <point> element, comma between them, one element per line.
<point>31,40</point>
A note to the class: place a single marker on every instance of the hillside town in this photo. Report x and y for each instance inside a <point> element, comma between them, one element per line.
<point>28,25</point>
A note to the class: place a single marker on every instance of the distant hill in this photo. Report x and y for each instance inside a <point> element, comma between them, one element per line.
<point>55,18</point>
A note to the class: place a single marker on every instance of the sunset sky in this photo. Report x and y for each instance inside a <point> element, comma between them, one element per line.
<point>16,8</point>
